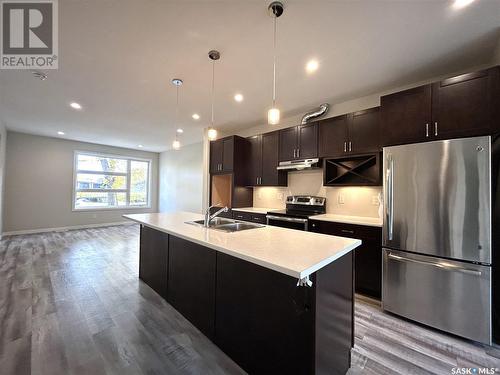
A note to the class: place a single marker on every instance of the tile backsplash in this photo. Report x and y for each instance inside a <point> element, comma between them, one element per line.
<point>354,201</point>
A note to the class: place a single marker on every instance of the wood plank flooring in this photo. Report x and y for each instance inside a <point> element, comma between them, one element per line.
<point>71,303</point>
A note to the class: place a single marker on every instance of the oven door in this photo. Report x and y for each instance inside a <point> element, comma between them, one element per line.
<point>287,222</point>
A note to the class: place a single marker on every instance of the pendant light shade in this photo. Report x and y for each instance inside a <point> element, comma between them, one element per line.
<point>273,116</point>
<point>275,10</point>
<point>214,56</point>
<point>212,134</point>
<point>176,145</point>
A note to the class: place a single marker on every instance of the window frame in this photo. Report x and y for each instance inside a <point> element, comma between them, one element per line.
<point>127,174</point>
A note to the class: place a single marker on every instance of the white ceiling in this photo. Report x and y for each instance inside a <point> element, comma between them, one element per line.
<point>117,58</point>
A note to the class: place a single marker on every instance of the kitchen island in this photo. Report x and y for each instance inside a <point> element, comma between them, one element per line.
<point>241,290</point>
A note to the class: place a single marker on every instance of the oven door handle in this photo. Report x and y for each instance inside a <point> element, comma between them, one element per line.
<point>289,219</point>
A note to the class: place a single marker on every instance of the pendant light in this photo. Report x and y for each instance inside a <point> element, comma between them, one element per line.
<point>214,56</point>
<point>176,144</point>
<point>273,115</point>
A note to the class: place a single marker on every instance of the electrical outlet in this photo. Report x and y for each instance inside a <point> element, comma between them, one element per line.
<point>340,199</point>
<point>375,201</point>
<point>279,196</point>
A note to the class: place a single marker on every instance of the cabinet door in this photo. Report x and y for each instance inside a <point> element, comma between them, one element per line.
<point>216,149</point>
<point>405,116</point>
<point>270,148</point>
<point>228,154</point>
<point>368,256</point>
<point>333,136</point>
<point>153,257</point>
<point>288,144</point>
<point>364,131</point>
<point>255,159</point>
<point>264,322</point>
<point>462,106</point>
<point>308,141</point>
<point>191,283</point>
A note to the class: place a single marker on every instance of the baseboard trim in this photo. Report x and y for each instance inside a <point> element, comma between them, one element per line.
<point>63,229</point>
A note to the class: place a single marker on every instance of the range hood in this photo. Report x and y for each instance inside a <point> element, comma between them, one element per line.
<point>297,164</point>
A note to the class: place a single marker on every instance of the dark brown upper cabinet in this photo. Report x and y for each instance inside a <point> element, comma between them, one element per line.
<point>298,142</point>
<point>264,160</point>
<point>456,107</point>
<point>222,155</point>
<point>406,116</point>
<point>463,106</point>
<point>353,133</point>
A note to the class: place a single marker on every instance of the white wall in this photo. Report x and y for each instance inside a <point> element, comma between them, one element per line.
<point>181,179</point>
<point>3,140</point>
<point>39,181</point>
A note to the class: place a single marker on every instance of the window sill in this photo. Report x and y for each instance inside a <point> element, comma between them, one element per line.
<point>122,208</point>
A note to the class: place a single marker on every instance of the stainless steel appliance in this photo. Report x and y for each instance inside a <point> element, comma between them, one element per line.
<point>298,210</point>
<point>437,236</point>
<point>298,164</point>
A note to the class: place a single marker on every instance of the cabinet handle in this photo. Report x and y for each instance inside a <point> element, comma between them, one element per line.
<point>298,152</point>
<point>345,146</point>
<point>350,146</point>
<point>427,130</point>
<point>436,128</point>
<point>294,153</point>
<point>313,225</point>
<point>260,181</point>
<point>347,231</point>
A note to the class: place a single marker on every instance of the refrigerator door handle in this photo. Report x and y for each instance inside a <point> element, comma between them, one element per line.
<point>442,265</point>
<point>389,199</point>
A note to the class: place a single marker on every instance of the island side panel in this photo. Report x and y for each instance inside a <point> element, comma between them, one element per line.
<point>191,283</point>
<point>335,316</point>
<point>153,257</point>
<point>264,322</point>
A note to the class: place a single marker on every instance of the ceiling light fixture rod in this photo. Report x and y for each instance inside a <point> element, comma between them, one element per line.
<point>274,63</point>
<point>177,83</point>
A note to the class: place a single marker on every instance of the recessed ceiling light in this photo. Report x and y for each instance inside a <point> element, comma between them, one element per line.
<point>180,131</point>
<point>457,4</point>
<point>196,116</point>
<point>140,146</point>
<point>60,132</point>
<point>312,66</point>
<point>238,98</point>
<point>75,105</point>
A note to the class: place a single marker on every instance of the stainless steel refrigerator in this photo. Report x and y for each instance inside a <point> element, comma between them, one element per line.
<point>437,237</point>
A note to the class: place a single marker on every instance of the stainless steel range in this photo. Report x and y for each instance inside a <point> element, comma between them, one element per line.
<point>298,210</point>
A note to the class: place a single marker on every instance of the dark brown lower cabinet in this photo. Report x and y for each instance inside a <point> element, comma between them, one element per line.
<point>257,316</point>
<point>153,259</point>
<point>368,256</point>
<point>249,216</point>
<point>191,283</point>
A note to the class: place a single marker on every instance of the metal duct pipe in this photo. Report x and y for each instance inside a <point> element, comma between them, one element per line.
<point>323,108</point>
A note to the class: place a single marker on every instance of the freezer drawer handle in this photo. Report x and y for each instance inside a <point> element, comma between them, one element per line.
<point>347,231</point>
<point>446,266</point>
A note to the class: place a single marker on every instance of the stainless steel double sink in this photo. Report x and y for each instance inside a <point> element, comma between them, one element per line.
<point>226,225</point>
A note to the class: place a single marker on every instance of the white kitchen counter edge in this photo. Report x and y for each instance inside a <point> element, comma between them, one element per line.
<point>299,275</point>
<point>356,220</point>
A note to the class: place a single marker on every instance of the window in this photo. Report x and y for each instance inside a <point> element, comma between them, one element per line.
<point>107,182</point>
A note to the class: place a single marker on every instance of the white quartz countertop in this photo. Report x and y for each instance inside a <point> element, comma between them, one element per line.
<point>358,220</point>
<point>292,252</point>
<point>255,210</point>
